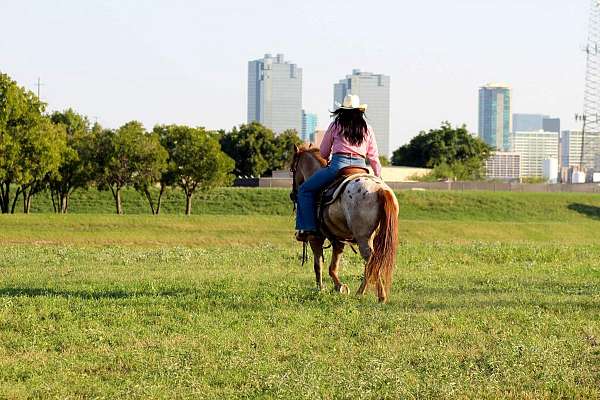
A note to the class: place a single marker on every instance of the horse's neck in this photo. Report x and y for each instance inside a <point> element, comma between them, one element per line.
<point>310,167</point>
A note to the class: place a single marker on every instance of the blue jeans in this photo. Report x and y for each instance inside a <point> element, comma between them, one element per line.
<point>306,218</point>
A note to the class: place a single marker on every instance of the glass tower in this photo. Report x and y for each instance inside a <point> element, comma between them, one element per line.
<point>275,93</point>
<point>494,116</point>
<point>309,126</point>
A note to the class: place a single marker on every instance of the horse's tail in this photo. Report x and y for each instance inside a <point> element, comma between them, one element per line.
<point>383,258</point>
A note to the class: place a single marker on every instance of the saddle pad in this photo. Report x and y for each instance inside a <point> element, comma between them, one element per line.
<point>332,192</point>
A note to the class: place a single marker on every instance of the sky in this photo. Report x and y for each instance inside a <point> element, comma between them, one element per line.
<point>186,62</point>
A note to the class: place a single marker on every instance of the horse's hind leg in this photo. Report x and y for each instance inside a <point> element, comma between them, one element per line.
<point>381,291</point>
<point>317,248</point>
<point>338,248</point>
<point>364,246</point>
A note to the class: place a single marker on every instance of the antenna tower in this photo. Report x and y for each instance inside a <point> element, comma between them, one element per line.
<point>39,84</point>
<point>590,132</point>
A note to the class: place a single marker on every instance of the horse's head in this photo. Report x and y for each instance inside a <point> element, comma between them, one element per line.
<point>305,162</point>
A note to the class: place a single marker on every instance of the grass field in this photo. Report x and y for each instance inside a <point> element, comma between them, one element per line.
<point>488,206</point>
<point>495,296</point>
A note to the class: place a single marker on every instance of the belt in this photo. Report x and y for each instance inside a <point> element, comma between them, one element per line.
<point>350,155</point>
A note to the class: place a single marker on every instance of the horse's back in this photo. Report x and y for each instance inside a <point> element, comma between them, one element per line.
<point>356,212</point>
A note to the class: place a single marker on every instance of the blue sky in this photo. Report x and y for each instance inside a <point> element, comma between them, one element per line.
<point>186,61</point>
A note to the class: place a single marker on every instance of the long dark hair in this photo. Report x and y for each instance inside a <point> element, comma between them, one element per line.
<point>352,124</point>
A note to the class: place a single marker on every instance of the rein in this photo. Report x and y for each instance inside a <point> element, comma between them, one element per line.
<point>294,199</point>
<point>294,193</point>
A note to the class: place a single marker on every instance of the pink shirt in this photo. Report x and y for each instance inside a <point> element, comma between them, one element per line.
<point>335,142</point>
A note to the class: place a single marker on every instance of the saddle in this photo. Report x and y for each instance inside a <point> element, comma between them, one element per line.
<point>333,190</point>
<point>331,193</point>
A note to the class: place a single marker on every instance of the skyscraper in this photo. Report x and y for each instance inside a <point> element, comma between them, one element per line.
<point>494,115</point>
<point>309,125</point>
<point>374,90</point>
<point>275,93</point>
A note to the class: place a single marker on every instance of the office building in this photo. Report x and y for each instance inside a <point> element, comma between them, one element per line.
<point>503,165</point>
<point>494,116</point>
<point>535,122</point>
<point>373,90</point>
<point>309,125</point>
<point>275,93</point>
<point>570,148</point>
<point>535,147</point>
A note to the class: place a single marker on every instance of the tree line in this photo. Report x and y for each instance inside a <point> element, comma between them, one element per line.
<point>60,152</point>
<point>452,153</point>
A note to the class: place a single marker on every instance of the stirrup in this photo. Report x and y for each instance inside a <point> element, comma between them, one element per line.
<point>304,236</point>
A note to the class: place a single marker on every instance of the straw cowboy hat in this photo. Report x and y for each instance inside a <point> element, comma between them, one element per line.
<point>351,102</point>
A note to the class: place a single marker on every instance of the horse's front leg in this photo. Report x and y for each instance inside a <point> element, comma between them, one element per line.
<point>336,257</point>
<point>317,248</point>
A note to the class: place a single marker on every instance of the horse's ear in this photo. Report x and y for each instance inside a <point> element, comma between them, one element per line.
<point>296,148</point>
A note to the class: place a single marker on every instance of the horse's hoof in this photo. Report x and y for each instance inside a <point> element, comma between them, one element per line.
<point>344,289</point>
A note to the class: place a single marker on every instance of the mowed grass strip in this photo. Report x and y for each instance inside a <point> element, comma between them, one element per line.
<point>477,320</point>
<point>419,205</point>
<point>236,230</point>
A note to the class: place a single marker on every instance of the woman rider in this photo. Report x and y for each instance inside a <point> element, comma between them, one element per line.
<point>352,142</point>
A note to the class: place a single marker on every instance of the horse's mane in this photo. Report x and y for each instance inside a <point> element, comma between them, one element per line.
<point>314,151</point>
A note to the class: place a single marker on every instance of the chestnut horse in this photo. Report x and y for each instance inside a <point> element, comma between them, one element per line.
<point>366,212</point>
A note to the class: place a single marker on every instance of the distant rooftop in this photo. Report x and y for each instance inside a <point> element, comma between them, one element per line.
<point>496,86</point>
<point>279,58</point>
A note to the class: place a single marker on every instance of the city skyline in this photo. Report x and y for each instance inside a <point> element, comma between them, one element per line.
<point>186,62</point>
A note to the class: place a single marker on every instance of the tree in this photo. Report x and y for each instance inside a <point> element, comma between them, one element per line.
<point>128,156</point>
<point>257,151</point>
<point>283,152</point>
<point>252,146</point>
<point>75,170</point>
<point>41,156</point>
<point>451,152</point>
<point>153,163</point>
<point>30,146</point>
<point>196,161</point>
<point>167,136</point>
<point>384,161</point>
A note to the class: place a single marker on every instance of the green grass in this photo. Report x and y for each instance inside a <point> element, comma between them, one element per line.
<point>480,206</point>
<point>220,201</point>
<point>495,296</point>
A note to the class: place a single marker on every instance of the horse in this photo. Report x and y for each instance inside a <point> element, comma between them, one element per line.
<point>365,213</point>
